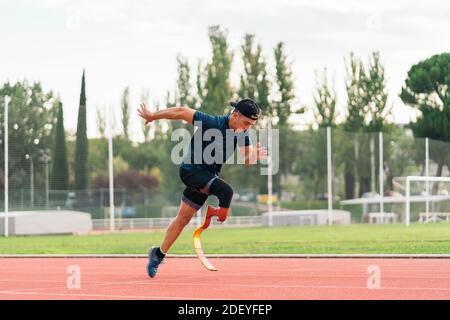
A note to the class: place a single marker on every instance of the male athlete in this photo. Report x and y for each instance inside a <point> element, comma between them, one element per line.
<point>200,174</point>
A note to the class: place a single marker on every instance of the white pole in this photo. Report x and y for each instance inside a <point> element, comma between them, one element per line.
<point>373,185</point>
<point>380,138</point>
<point>269,176</point>
<point>427,173</point>
<point>46,182</point>
<point>6,168</point>
<point>330,178</point>
<point>407,207</point>
<point>31,182</point>
<point>111,176</point>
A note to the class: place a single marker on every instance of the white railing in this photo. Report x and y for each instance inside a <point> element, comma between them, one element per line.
<point>162,223</point>
<point>408,197</point>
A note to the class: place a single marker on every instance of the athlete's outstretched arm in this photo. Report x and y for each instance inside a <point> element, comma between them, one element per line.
<point>174,113</point>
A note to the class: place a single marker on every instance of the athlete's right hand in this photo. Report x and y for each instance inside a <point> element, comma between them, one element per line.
<point>145,114</point>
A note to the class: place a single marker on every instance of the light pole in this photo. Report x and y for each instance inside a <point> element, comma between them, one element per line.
<point>45,157</point>
<point>5,118</point>
<point>29,157</point>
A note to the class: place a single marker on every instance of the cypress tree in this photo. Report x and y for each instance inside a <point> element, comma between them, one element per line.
<point>81,147</point>
<point>60,172</point>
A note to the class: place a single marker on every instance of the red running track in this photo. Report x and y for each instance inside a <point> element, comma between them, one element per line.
<point>237,278</point>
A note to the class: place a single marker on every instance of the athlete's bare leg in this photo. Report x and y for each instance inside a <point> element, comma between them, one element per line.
<point>185,214</point>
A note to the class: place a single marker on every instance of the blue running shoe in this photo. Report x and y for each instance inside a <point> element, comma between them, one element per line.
<point>153,262</point>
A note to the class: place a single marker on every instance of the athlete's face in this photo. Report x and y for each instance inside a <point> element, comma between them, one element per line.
<point>240,123</point>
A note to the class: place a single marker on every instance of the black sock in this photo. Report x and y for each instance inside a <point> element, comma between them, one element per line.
<point>159,253</point>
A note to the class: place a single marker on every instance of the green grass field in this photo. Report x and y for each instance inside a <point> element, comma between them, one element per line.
<point>418,238</point>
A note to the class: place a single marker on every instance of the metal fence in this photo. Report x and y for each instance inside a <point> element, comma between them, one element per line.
<point>321,168</point>
<point>163,223</point>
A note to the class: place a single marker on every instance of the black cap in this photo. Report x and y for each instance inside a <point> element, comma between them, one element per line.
<point>248,108</point>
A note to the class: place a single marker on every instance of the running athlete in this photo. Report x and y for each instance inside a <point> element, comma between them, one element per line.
<point>200,173</point>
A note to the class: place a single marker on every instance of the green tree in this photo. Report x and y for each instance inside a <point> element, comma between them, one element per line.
<point>285,87</point>
<point>427,90</point>
<point>217,87</point>
<point>366,95</point>
<point>101,122</point>
<point>98,156</point>
<point>32,117</point>
<point>377,110</point>
<point>184,93</point>
<point>200,84</point>
<point>313,162</point>
<point>282,110</point>
<point>325,101</point>
<point>367,111</point>
<point>81,147</point>
<point>158,125</point>
<point>60,172</point>
<point>184,86</point>
<point>355,86</point>
<point>254,83</point>
<point>145,94</point>
<point>125,107</point>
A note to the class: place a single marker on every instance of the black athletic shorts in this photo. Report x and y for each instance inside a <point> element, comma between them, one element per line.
<point>197,183</point>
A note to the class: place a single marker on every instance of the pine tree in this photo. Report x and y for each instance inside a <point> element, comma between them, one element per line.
<point>81,146</point>
<point>60,172</point>
<point>427,89</point>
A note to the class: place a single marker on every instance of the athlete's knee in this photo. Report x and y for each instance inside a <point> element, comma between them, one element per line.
<point>223,191</point>
<point>183,219</point>
<point>227,191</point>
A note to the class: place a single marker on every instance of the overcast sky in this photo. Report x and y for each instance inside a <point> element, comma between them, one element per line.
<point>135,43</point>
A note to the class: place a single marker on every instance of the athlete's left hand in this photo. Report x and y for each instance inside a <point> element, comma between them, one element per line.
<point>261,152</point>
